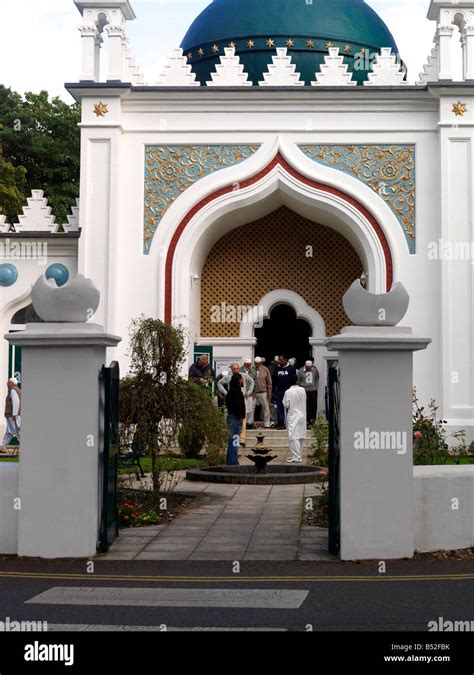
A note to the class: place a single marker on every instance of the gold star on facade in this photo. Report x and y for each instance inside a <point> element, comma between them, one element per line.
<point>101,110</point>
<point>190,56</point>
<point>251,44</point>
<point>347,49</point>
<point>329,45</point>
<point>290,43</point>
<point>215,49</point>
<point>232,45</point>
<point>310,44</point>
<point>201,51</point>
<point>459,109</point>
<point>362,51</point>
<point>270,42</point>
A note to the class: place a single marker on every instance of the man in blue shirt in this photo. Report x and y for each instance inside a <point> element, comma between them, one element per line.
<point>282,376</point>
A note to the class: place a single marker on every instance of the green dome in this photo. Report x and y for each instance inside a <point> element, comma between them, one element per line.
<point>257,27</point>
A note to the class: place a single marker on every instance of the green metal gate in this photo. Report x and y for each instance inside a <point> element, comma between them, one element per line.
<point>110,380</point>
<point>333,459</point>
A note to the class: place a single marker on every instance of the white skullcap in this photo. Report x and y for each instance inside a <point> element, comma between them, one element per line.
<point>13,380</point>
<point>276,358</point>
<point>308,363</point>
<point>225,373</point>
<point>248,361</point>
<point>258,359</point>
<point>292,362</point>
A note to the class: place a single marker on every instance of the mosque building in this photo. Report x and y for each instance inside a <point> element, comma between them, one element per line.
<point>281,155</point>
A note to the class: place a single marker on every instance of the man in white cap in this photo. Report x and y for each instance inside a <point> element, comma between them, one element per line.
<point>294,402</point>
<point>308,378</point>
<point>12,411</point>
<point>263,390</point>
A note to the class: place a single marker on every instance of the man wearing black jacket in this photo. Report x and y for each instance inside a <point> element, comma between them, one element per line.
<point>282,376</point>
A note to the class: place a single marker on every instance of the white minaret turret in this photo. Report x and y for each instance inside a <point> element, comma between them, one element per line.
<point>111,15</point>
<point>448,15</point>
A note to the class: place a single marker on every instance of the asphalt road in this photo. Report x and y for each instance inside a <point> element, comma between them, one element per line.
<point>337,596</point>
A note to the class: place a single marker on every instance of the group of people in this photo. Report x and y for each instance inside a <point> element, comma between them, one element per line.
<point>244,388</point>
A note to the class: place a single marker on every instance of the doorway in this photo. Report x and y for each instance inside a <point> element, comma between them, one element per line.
<point>284,333</point>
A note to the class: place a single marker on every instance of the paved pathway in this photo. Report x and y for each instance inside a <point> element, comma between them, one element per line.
<point>230,522</point>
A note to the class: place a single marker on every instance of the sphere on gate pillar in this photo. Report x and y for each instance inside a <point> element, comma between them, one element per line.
<point>8,274</point>
<point>58,272</point>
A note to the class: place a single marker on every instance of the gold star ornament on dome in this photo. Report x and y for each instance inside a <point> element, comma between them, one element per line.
<point>251,44</point>
<point>232,45</point>
<point>347,49</point>
<point>201,51</point>
<point>190,56</point>
<point>459,109</point>
<point>310,44</point>
<point>329,45</point>
<point>101,109</point>
<point>270,42</point>
<point>215,49</point>
<point>290,43</point>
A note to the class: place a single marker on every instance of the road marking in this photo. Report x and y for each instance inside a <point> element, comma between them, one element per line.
<point>172,597</point>
<point>84,627</point>
<point>380,578</point>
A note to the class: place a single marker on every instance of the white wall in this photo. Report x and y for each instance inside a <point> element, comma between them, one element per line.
<point>8,515</point>
<point>438,523</point>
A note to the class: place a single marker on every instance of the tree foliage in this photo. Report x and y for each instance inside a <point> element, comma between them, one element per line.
<point>40,137</point>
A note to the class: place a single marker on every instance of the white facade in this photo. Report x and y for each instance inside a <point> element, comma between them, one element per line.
<point>121,117</point>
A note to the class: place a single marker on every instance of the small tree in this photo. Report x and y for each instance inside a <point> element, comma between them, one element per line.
<point>151,408</point>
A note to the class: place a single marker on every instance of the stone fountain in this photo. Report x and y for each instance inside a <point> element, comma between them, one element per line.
<point>261,455</point>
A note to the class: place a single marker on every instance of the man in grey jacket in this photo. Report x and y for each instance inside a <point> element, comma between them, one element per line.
<point>308,378</point>
<point>247,390</point>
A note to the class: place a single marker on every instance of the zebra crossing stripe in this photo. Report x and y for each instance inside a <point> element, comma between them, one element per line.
<point>172,597</point>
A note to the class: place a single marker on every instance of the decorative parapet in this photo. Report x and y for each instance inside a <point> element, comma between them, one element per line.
<point>386,70</point>
<point>73,219</point>
<point>229,72</point>
<point>177,72</point>
<point>37,217</point>
<point>431,68</point>
<point>334,72</point>
<point>389,170</point>
<point>281,73</point>
<point>171,169</point>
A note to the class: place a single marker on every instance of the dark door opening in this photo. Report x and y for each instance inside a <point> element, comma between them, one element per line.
<point>284,333</point>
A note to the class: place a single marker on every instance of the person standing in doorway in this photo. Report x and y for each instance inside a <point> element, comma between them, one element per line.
<point>308,378</point>
<point>263,390</point>
<point>12,411</point>
<point>248,385</point>
<point>294,402</point>
<point>235,404</point>
<point>281,383</point>
<point>249,370</point>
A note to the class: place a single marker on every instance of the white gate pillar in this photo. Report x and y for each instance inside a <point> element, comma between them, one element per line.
<point>376,429</point>
<point>59,466</point>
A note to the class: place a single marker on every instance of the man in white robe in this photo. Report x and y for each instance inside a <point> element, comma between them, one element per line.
<point>294,403</point>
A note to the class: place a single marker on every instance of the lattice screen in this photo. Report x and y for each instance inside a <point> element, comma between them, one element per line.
<point>270,253</point>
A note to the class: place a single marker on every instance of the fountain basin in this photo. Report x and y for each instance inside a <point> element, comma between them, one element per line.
<point>276,474</point>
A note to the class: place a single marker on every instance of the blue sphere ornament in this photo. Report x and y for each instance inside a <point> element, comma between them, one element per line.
<point>8,274</point>
<point>58,272</point>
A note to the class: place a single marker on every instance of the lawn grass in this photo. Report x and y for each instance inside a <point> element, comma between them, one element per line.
<point>167,464</point>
